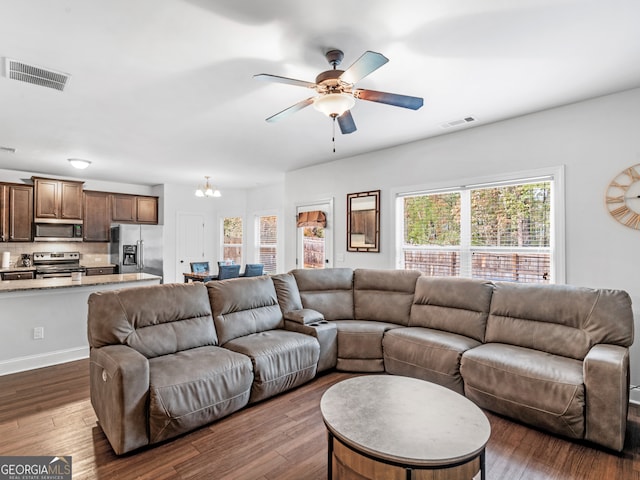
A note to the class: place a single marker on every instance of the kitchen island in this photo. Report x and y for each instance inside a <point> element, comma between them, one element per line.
<point>56,310</point>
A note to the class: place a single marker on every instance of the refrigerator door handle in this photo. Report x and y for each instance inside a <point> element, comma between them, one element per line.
<point>140,255</point>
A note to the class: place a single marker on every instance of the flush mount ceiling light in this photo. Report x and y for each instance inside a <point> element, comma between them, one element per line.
<point>207,190</point>
<point>79,163</point>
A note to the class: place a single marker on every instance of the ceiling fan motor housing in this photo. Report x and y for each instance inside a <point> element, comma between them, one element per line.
<point>334,57</point>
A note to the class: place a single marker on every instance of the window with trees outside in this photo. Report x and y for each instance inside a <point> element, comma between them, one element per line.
<point>232,240</point>
<point>267,242</point>
<point>501,231</point>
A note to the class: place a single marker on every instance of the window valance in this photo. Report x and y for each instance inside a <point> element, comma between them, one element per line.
<point>314,218</point>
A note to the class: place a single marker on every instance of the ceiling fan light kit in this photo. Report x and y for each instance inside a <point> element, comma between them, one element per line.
<point>334,104</point>
<point>336,92</point>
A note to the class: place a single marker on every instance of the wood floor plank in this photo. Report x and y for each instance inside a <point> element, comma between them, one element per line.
<point>48,412</point>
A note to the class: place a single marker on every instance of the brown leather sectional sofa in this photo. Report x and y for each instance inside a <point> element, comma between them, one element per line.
<point>169,358</point>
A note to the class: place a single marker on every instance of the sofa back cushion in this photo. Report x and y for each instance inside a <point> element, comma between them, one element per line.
<point>154,320</point>
<point>559,319</point>
<point>287,292</point>
<point>329,291</point>
<point>242,306</point>
<point>384,295</point>
<point>452,304</point>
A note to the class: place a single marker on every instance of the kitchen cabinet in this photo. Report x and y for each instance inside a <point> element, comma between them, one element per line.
<point>134,209</point>
<point>57,200</point>
<point>22,275</point>
<point>16,212</point>
<point>109,270</point>
<point>97,216</point>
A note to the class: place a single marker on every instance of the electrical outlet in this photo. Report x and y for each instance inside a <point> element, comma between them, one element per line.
<point>38,333</point>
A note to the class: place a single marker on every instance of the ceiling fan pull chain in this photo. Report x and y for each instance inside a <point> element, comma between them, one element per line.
<point>333,138</point>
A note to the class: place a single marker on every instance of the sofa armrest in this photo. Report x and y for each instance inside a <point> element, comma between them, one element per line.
<point>606,381</point>
<point>327,335</point>
<point>304,316</point>
<point>119,377</point>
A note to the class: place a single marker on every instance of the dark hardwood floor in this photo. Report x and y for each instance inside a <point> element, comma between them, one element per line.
<point>48,412</point>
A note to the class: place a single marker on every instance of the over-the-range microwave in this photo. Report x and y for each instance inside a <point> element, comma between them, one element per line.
<point>57,232</point>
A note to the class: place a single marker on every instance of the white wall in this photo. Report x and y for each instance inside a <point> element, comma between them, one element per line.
<point>595,140</point>
<point>181,199</point>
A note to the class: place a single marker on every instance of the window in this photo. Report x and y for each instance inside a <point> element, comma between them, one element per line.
<point>267,240</point>
<point>501,231</point>
<point>232,240</point>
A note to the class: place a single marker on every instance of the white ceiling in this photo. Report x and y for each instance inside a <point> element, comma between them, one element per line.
<point>161,91</point>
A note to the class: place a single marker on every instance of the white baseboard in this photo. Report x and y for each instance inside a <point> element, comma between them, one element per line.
<point>32,362</point>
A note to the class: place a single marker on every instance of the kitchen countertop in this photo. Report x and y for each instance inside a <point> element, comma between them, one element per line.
<point>66,282</point>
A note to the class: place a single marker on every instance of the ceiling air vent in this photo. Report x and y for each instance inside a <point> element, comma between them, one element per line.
<point>43,77</point>
<point>457,123</point>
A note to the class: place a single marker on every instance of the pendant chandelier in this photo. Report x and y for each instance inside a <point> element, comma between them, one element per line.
<point>207,190</point>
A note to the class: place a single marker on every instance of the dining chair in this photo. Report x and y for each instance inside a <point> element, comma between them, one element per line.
<point>253,269</point>
<point>228,271</point>
<point>199,267</point>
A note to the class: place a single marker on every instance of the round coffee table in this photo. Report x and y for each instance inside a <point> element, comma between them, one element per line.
<point>384,426</point>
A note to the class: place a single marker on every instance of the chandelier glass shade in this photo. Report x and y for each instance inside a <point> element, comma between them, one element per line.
<point>207,190</point>
<point>334,104</point>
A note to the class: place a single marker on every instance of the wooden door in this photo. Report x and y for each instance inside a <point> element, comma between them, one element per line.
<point>20,213</point>
<point>4,213</point>
<point>123,208</point>
<point>70,201</point>
<point>47,204</point>
<point>97,217</point>
<point>147,210</point>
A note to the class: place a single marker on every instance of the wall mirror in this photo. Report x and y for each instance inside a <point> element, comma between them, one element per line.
<point>363,221</point>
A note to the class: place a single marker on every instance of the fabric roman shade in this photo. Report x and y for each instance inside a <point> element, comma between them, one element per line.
<point>315,218</point>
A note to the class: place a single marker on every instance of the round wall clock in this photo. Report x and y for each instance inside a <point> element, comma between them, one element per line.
<point>623,197</point>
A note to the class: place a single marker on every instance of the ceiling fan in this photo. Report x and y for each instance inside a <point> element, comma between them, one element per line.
<point>336,92</point>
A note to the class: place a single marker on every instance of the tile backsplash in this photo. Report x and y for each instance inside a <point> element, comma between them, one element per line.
<point>90,253</point>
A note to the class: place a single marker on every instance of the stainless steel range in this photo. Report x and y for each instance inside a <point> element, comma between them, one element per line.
<point>56,264</point>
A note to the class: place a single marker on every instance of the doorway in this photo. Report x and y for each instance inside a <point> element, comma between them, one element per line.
<point>314,244</point>
<point>189,242</point>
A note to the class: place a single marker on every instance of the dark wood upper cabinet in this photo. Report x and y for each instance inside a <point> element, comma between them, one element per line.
<point>147,210</point>
<point>16,212</point>
<point>134,209</point>
<point>57,200</point>
<point>97,216</point>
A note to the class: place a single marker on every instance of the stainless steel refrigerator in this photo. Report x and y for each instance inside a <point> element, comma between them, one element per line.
<point>137,248</point>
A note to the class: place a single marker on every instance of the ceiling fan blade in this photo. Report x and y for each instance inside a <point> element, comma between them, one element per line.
<point>367,63</point>
<point>405,101</point>
<point>289,81</point>
<point>346,123</point>
<point>292,109</point>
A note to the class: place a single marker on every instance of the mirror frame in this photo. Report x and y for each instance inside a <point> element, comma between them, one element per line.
<point>367,224</point>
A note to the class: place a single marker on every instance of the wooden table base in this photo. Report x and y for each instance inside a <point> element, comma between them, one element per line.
<point>347,464</point>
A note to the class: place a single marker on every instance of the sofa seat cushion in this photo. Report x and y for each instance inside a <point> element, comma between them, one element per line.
<point>360,345</point>
<point>281,360</point>
<point>537,388</point>
<point>191,388</point>
<point>428,354</point>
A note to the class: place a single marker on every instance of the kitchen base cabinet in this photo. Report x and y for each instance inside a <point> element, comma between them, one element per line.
<point>30,275</point>
<point>100,271</point>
